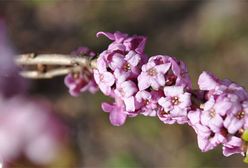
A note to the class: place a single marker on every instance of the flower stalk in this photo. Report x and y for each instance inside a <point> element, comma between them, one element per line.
<point>45,66</point>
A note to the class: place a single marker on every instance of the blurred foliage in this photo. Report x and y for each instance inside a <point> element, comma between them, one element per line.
<point>38,2</point>
<point>207,35</point>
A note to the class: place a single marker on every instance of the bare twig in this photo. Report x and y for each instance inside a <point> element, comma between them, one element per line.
<point>50,59</point>
<point>49,74</point>
<point>45,66</point>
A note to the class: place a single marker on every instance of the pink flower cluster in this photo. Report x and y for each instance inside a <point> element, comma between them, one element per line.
<point>159,86</point>
<point>153,87</point>
<point>222,117</point>
<point>83,80</point>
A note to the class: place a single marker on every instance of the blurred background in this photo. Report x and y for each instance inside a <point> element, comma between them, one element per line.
<point>206,35</point>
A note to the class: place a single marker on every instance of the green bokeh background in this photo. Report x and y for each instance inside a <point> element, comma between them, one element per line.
<point>206,35</point>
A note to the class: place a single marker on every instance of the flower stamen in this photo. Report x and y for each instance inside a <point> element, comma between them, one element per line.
<point>240,115</point>
<point>212,113</point>
<point>175,100</point>
<point>152,72</point>
<point>126,67</point>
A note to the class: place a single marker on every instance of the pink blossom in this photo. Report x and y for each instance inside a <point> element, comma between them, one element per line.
<point>210,116</point>
<point>120,40</point>
<point>104,80</point>
<point>117,113</point>
<point>233,91</point>
<point>117,36</point>
<point>128,67</point>
<point>237,117</point>
<point>178,75</point>
<point>80,82</point>
<point>210,142</point>
<point>126,89</point>
<point>208,81</point>
<point>83,80</point>
<point>206,138</point>
<point>233,146</point>
<point>174,105</point>
<point>130,105</point>
<point>153,73</point>
<point>147,102</point>
<point>136,43</point>
<point>163,70</point>
<point>112,59</point>
<point>122,66</point>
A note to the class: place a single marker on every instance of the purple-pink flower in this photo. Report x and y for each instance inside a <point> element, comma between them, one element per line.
<point>162,71</point>
<point>104,80</point>
<point>121,40</point>
<point>128,68</point>
<point>117,113</point>
<point>175,105</point>
<point>153,73</point>
<point>206,138</point>
<point>126,89</point>
<point>84,80</point>
<point>211,116</point>
<point>80,82</point>
<point>237,117</point>
<point>147,102</point>
<point>232,146</point>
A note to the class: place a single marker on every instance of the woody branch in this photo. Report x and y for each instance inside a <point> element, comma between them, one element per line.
<point>45,66</point>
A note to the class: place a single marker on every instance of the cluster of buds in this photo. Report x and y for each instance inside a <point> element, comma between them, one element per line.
<point>160,86</point>
<point>83,80</point>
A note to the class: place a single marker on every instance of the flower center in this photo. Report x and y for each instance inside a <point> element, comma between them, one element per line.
<point>212,113</point>
<point>121,91</point>
<point>175,100</point>
<point>101,77</point>
<point>126,67</point>
<point>152,72</point>
<point>240,115</point>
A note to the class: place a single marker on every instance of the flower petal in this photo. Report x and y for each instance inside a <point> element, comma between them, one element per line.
<point>173,90</point>
<point>117,117</point>
<point>207,81</point>
<point>143,81</point>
